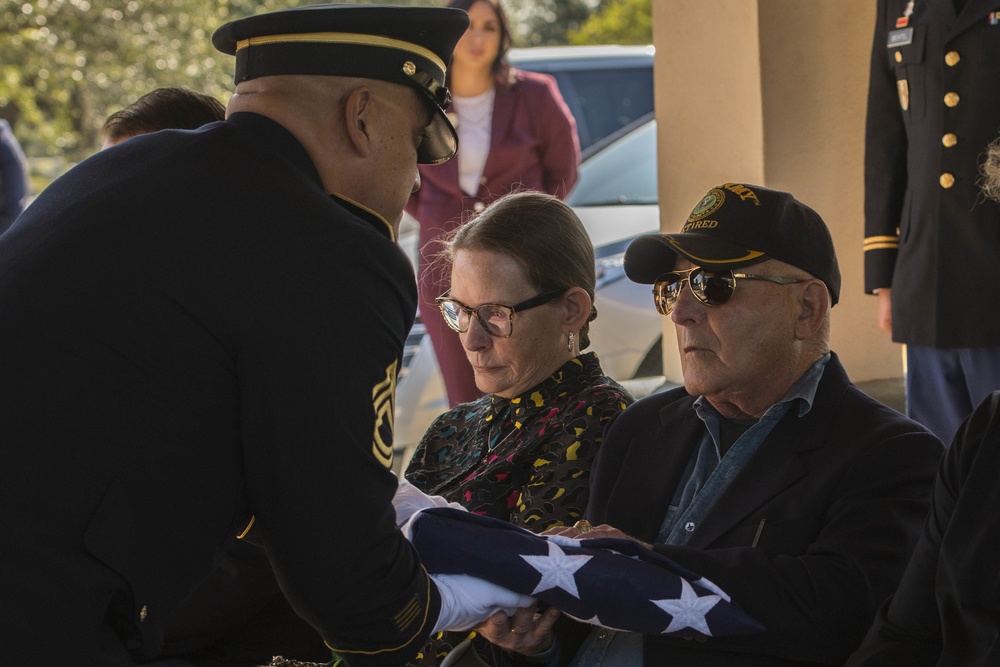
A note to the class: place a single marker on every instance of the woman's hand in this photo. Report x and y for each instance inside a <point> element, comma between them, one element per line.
<point>527,632</point>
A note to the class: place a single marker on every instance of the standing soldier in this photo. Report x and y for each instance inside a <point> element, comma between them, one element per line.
<point>931,240</point>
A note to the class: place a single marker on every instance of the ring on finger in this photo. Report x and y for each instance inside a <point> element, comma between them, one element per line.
<point>583,526</point>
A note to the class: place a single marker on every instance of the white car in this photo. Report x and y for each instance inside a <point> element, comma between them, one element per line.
<point>616,199</point>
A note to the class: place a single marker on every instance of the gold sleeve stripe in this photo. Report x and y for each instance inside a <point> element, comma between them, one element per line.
<point>416,634</point>
<point>881,246</point>
<point>407,614</point>
<point>346,38</point>
<point>247,529</point>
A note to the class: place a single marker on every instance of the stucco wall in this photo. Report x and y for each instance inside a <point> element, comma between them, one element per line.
<point>773,92</point>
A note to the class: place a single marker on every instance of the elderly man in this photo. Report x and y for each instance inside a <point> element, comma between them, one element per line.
<point>201,332</point>
<point>769,473</point>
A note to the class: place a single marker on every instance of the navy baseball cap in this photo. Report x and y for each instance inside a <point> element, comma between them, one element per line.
<point>737,225</point>
<point>407,45</point>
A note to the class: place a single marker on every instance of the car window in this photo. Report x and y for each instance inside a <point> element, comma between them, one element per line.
<point>605,100</point>
<point>623,172</point>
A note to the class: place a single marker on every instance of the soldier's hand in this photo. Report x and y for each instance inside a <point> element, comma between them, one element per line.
<point>883,316</point>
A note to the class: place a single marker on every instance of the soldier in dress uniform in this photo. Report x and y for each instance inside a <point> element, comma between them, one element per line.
<point>201,332</point>
<point>931,240</point>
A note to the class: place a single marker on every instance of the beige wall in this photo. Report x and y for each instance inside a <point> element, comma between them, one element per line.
<point>773,92</point>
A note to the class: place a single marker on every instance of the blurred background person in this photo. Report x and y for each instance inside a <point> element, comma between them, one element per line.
<point>523,451</point>
<point>161,109</point>
<point>515,132</point>
<point>933,106</point>
<point>14,184</point>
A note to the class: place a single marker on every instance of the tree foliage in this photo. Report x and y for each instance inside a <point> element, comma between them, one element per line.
<point>618,22</point>
<point>547,22</point>
<point>66,64</point>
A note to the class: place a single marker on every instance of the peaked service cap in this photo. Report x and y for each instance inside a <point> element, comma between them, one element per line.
<point>406,45</point>
<point>737,225</point>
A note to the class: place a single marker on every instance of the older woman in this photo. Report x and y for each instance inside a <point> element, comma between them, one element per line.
<point>522,277</point>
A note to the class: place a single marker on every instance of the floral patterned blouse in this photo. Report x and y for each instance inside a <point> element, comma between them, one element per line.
<point>525,460</point>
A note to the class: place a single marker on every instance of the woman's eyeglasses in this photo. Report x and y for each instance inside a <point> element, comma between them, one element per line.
<point>712,288</point>
<point>496,319</point>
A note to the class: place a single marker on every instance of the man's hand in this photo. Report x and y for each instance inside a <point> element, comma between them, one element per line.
<point>527,631</point>
<point>582,530</point>
<point>884,314</point>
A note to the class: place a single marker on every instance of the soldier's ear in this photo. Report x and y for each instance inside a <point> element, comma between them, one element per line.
<point>359,110</point>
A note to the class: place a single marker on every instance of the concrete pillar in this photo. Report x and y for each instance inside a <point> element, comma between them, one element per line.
<point>773,92</point>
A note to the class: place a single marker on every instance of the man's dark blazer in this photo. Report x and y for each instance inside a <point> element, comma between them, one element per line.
<point>833,501</point>
<point>936,246</point>
<point>947,608</point>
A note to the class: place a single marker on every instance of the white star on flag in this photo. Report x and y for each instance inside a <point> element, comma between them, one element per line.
<point>689,610</point>
<point>557,569</point>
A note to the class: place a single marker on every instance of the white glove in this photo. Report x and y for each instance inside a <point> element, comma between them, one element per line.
<point>467,601</point>
<point>409,499</point>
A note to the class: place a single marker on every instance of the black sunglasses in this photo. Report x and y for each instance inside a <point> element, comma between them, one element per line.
<point>712,288</point>
<point>496,319</point>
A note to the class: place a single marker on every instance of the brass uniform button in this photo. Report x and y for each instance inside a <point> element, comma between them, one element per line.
<point>947,180</point>
<point>951,100</point>
<point>899,57</point>
<point>409,69</point>
<point>951,58</point>
<point>949,140</point>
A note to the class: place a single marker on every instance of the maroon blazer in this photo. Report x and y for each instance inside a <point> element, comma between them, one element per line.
<point>533,146</point>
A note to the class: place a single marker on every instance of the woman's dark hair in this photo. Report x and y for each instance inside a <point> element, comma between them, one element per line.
<point>501,66</point>
<point>161,109</point>
<point>543,235</point>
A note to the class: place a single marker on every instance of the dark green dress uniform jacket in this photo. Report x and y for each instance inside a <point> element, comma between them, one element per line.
<point>193,333</point>
<point>933,106</point>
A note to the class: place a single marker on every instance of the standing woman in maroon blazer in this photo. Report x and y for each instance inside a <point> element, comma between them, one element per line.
<point>515,133</point>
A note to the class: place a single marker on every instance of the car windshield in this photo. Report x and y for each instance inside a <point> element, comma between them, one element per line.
<point>622,172</point>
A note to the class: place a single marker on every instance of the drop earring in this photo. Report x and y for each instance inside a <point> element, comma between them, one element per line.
<point>569,345</point>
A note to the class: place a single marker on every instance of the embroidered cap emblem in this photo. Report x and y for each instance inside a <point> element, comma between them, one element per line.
<point>709,204</point>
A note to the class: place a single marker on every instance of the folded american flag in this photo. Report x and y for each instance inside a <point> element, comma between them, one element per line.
<point>614,583</point>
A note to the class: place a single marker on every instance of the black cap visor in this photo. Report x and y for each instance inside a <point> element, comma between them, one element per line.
<point>649,257</point>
